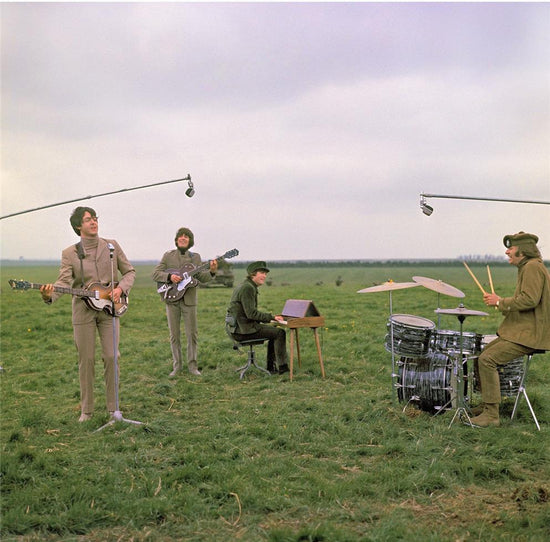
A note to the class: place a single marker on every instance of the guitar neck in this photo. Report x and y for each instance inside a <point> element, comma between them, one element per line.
<point>62,290</point>
<point>203,267</point>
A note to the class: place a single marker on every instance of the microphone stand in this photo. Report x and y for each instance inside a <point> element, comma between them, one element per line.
<point>117,415</point>
<point>394,375</point>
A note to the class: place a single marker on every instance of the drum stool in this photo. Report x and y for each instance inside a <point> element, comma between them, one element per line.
<point>251,361</point>
<point>522,389</point>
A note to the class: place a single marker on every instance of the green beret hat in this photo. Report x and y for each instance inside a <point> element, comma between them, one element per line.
<point>519,239</point>
<point>257,266</point>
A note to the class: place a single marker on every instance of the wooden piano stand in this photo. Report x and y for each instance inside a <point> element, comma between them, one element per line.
<point>302,313</point>
<point>294,324</point>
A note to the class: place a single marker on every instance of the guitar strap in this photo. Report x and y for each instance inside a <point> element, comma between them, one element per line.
<point>81,255</point>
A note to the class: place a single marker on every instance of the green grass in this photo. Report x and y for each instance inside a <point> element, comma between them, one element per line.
<point>334,459</point>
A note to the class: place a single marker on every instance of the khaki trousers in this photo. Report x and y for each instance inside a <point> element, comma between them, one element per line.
<point>497,352</point>
<point>85,340</point>
<point>175,312</point>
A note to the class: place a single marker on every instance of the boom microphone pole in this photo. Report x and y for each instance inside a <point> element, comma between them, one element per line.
<point>190,192</point>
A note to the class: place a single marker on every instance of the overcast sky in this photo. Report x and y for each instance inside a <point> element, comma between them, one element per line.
<point>309,130</point>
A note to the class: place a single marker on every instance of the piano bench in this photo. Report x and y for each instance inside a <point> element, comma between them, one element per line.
<point>251,358</point>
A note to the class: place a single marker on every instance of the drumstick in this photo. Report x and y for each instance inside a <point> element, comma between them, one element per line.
<point>490,279</point>
<point>474,277</point>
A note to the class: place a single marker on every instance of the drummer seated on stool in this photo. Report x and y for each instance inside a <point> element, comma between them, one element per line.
<point>525,326</point>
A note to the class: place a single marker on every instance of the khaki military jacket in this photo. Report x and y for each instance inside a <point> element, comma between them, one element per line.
<point>174,260</point>
<point>527,312</point>
<point>98,271</point>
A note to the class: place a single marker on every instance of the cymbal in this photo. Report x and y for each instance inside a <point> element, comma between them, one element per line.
<point>439,286</point>
<point>388,286</point>
<point>461,311</point>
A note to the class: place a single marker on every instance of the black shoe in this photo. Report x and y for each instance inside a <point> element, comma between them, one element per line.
<point>272,369</point>
<point>283,369</point>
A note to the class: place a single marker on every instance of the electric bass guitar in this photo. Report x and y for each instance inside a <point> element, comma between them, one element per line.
<point>95,295</point>
<point>170,292</point>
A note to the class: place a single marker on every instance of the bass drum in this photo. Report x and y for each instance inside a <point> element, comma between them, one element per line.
<point>427,382</point>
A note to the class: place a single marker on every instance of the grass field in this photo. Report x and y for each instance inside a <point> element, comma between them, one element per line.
<point>262,459</point>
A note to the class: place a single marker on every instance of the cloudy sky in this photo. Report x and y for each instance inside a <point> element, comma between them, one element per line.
<point>309,130</point>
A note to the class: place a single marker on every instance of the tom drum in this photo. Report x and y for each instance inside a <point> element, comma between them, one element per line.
<point>448,341</point>
<point>408,335</point>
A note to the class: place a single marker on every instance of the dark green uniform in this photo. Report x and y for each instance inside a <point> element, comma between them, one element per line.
<point>247,323</point>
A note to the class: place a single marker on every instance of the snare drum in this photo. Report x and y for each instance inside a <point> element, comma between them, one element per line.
<point>448,341</point>
<point>426,381</point>
<point>408,335</point>
<point>486,339</point>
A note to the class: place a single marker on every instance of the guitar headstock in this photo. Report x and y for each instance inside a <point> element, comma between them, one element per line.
<point>20,284</point>
<point>230,254</point>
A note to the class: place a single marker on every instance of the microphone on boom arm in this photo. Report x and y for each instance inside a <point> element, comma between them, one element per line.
<point>190,192</point>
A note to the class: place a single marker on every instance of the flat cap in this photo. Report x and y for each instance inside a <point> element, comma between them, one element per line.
<point>520,239</point>
<point>257,266</point>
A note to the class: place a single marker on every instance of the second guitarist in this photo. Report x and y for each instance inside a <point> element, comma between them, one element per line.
<point>186,307</point>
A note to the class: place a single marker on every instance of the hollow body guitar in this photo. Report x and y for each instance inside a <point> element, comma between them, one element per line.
<point>95,295</point>
<point>171,292</point>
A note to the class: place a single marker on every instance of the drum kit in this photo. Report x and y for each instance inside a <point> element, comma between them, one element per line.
<point>432,367</point>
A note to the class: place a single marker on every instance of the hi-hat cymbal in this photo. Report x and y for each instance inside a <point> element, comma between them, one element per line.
<point>439,286</point>
<point>387,286</point>
<point>461,310</point>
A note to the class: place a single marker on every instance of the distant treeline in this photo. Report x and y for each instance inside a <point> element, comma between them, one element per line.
<point>376,263</point>
<point>479,260</point>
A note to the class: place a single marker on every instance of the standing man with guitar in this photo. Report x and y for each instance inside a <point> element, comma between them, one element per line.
<point>178,289</point>
<point>93,261</point>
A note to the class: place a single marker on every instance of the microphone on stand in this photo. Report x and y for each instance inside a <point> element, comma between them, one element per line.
<point>190,192</point>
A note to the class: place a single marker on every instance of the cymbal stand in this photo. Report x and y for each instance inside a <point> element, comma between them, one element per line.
<point>117,415</point>
<point>458,368</point>
<point>394,374</point>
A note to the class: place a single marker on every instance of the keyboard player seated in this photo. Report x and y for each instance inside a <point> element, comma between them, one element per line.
<point>244,322</point>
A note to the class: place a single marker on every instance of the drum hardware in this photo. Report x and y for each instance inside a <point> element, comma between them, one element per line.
<point>461,313</point>
<point>441,288</point>
<point>389,286</point>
